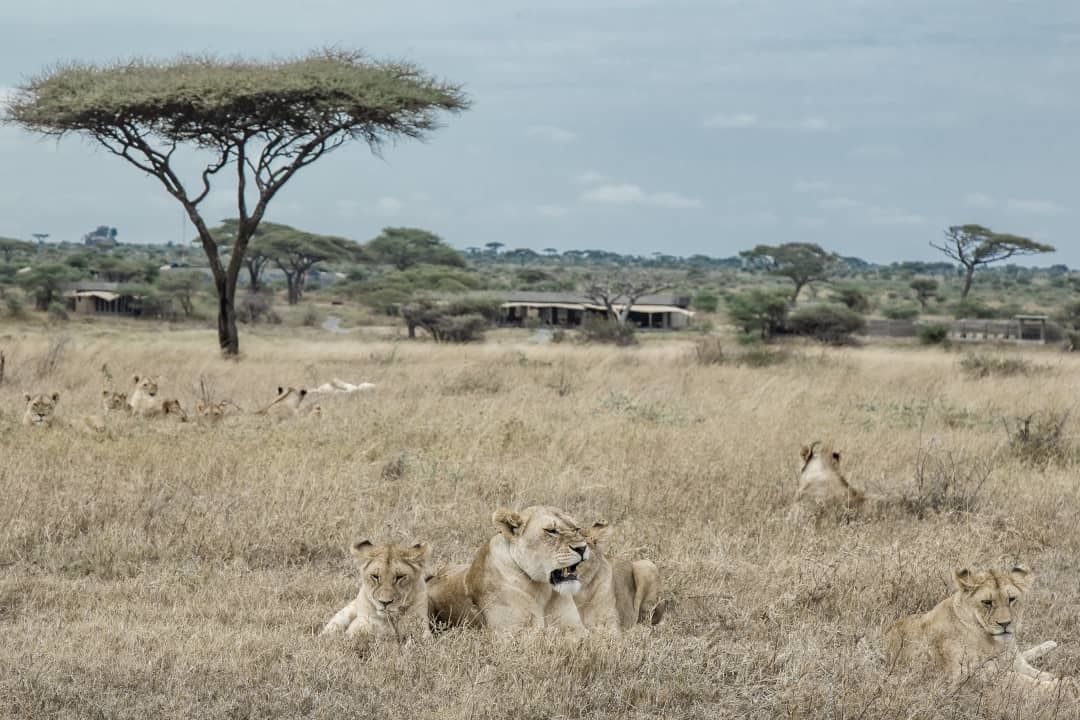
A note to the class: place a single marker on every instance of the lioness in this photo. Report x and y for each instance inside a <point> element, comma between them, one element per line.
<point>392,602</point>
<point>973,631</point>
<point>40,409</point>
<point>146,403</point>
<point>286,404</point>
<point>617,593</point>
<point>525,576</point>
<point>114,402</point>
<point>821,484</point>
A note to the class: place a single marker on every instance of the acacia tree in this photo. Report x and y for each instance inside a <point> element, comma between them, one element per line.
<point>264,120</point>
<point>924,288</point>
<point>975,245</point>
<point>296,252</point>
<point>9,247</point>
<point>617,291</point>
<point>802,263</point>
<point>404,247</point>
<point>255,260</point>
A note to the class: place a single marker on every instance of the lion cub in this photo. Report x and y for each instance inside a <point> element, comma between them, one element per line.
<point>617,593</point>
<point>392,602</point>
<point>821,484</point>
<point>973,631</point>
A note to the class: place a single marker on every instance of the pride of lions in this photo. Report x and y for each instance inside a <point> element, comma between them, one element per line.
<point>542,569</point>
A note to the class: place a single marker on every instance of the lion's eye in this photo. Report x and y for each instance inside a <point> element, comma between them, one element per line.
<point>398,578</point>
<point>1012,599</point>
<point>551,531</point>
<point>988,603</point>
<point>374,578</point>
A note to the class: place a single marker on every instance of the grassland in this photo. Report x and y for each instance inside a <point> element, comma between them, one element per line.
<point>184,571</point>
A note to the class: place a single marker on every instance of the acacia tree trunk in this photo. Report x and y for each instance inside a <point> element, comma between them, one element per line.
<point>294,292</point>
<point>969,275</point>
<point>228,337</point>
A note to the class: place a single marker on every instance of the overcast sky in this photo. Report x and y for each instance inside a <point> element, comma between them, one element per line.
<point>682,126</point>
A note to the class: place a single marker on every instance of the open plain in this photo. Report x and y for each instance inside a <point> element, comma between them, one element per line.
<point>168,569</point>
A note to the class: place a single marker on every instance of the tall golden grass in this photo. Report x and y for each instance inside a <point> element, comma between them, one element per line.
<point>180,570</point>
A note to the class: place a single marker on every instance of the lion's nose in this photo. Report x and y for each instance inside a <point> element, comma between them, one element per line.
<point>1004,624</point>
<point>580,550</point>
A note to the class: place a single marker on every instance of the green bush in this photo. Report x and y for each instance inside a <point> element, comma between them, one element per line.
<point>934,334</point>
<point>762,312</point>
<point>461,328</point>
<point>828,323</point>
<point>14,306</point>
<point>57,311</point>
<point>311,317</point>
<point>706,302</point>
<point>973,309</point>
<point>900,312</point>
<point>852,297</point>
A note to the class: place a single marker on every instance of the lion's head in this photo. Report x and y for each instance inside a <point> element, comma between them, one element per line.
<point>290,397</point>
<point>146,385</point>
<point>820,479</point>
<point>172,408</point>
<point>545,543</point>
<point>210,411</point>
<point>391,576</point>
<point>40,408</point>
<point>991,600</point>
<point>113,401</point>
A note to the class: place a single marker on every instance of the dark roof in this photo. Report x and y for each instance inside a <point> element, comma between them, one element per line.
<point>525,296</point>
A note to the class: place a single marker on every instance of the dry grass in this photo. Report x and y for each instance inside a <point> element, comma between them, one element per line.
<point>182,570</point>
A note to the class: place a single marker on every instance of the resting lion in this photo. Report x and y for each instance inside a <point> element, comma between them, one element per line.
<point>40,409</point>
<point>114,402</point>
<point>524,577</point>
<point>286,404</point>
<point>972,632</point>
<point>146,403</point>
<point>617,593</point>
<point>392,602</point>
<point>821,484</point>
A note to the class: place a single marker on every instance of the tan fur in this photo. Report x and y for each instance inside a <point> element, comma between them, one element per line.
<point>40,409</point>
<point>616,593</point>
<point>114,402</point>
<point>392,602</point>
<point>509,583</point>
<point>972,632</point>
<point>210,412</point>
<point>286,404</point>
<point>146,402</point>
<point>821,484</point>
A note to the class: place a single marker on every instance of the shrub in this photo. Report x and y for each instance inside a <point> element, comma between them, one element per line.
<point>933,334</point>
<point>947,482</point>
<point>975,309</point>
<point>706,302</point>
<point>1038,439</point>
<point>763,312</point>
<point>604,330</point>
<point>14,306</point>
<point>828,323</point>
<point>761,356</point>
<point>461,328</point>
<point>57,311</point>
<point>311,317</point>
<point>709,351</point>
<point>558,335</point>
<point>254,307</point>
<point>852,297</point>
<point>900,312</point>
<point>1054,333</point>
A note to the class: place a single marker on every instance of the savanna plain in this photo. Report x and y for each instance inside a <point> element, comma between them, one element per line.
<point>184,570</point>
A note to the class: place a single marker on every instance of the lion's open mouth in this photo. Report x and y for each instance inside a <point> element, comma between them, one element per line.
<point>563,575</point>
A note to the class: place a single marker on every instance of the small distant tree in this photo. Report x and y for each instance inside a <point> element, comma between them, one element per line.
<point>974,246</point>
<point>802,263</point>
<point>706,302</point>
<point>853,297</point>
<point>924,290</point>
<point>255,260</point>
<point>10,248</point>
<point>759,311</point>
<point>404,247</point>
<point>182,286</point>
<point>266,120</point>
<point>494,247</point>
<point>618,291</point>
<point>296,253</point>
<point>46,282</point>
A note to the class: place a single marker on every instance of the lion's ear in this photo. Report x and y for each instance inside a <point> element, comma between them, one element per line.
<point>303,392</point>
<point>27,396</point>
<point>599,536</point>
<point>805,452</point>
<point>508,522</point>
<point>418,554</point>
<point>135,379</point>
<point>965,580</point>
<point>836,456</point>
<point>362,549</point>
<point>104,393</point>
<point>1021,577</point>
<point>280,390</point>
<point>56,397</point>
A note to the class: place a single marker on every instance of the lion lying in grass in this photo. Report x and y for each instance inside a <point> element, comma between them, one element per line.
<point>392,602</point>
<point>616,594</point>
<point>524,577</point>
<point>822,486</point>
<point>146,403</point>
<point>972,632</point>
<point>40,409</point>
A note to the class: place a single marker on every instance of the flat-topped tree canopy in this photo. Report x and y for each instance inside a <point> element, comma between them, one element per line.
<point>268,119</point>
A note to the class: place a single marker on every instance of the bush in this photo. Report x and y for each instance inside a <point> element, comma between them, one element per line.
<point>254,307</point>
<point>709,351</point>
<point>14,306</point>
<point>934,334</point>
<point>1054,332</point>
<point>974,309</point>
<point>852,297</point>
<point>1039,439</point>
<point>763,312</point>
<point>947,482</point>
<point>900,312</point>
<point>706,302</point>
<point>461,328</point>
<point>57,311</point>
<point>981,365</point>
<point>604,330</point>
<point>311,317</point>
<point>761,356</point>
<point>828,323</point>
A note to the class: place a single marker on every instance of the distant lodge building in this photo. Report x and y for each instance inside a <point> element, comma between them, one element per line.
<point>1019,329</point>
<point>666,312</point>
<point>101,298</point>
